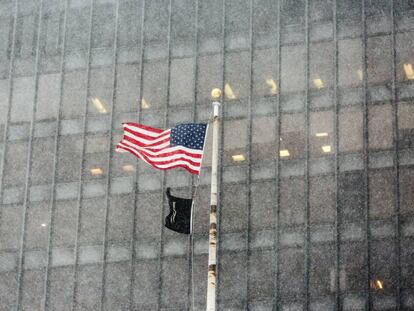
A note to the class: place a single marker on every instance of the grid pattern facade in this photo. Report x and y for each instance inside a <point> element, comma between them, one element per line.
<point>316,203</point>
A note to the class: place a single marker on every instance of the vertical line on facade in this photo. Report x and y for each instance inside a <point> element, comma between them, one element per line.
<point>110,154</point>
<point>396,160</point>
<point>84,128</point>
<point>134,222</point>
<point>52,203</point>
<point>21,258</point>
<point>365,155</point>
<point>163,173</point>
<point>307,229</point>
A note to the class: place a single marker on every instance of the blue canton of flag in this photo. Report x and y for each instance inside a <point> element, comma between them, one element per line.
<point>190,135</point>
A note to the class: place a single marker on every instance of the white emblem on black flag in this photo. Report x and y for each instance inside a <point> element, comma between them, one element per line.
<point>179,218</point>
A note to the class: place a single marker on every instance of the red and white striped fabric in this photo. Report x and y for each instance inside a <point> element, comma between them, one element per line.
<point>153,146</point>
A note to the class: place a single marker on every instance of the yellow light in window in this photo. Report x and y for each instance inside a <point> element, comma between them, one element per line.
<point>409,72</point>
<point>360,74</point>
<point>128,168</point>
<point>284,153</point>
<point>321,134</point>
<point>229,92</point>
<point>96,171</point>
<point>145,104</point>
<point>380,284</point>
<point>326,148</point>
<point>318,83</point>
<point>98,105</point>
<point>273,87</point>
<point>238,158</point>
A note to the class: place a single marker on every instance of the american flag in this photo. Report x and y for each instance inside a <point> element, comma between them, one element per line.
<point>180,146</point>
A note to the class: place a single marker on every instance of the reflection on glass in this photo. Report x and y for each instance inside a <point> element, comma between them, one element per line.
<point>228,91</point>
<point>318,83</point>
<point>360,74</point>
<point>409,72</point>
<point>273,87</point>
<point>238,157</point>
<point>321,134</point>
<point>377,284</point>
<point>43,225</point>
<point>96,171</point>
<point>145,104</point>
<point>326,148</point>
<point>284,153</point>
<point>128,168</point>
<point>98,105</point>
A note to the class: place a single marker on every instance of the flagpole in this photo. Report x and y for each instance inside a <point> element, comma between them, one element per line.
<point>212,236</point>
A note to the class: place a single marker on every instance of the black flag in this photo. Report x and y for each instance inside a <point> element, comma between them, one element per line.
<point>179,218</point>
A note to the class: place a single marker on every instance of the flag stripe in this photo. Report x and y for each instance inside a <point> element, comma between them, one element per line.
<point>152,131</point>
<point>192,169</point>
<point>166,151</point>
<point>167,159</point>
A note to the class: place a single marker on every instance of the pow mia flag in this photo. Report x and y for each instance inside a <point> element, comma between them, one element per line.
<point>179,218</point>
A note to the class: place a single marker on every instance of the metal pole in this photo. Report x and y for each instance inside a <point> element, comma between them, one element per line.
<point>212,236</point>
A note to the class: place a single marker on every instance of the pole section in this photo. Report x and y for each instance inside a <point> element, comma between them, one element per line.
<point>212,236</point>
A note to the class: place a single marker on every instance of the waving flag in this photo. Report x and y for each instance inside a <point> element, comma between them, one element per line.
<point>180,146</point>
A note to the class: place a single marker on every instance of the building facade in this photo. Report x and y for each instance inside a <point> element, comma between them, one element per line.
<point>316,203</point>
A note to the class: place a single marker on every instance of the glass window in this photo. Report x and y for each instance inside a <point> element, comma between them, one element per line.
<point>78,28</point>
<point>406,125</point>
<point>23,97</point>
<point>261,276</point>
<point>69,158</point>
<point>16,161</point>
<point>351,197</point>
<point>210,74</point>
<point>350,129</point>
<point>129,29</point>
<point>322,199</point>
<point>103,28</point>
<point>10,227</point>
<point>380,131</point>
<point>42,160</point>
<point>381,193</point>
<point>263,202</point>
<point>210,25</point>
<point>352,264</point>
<point>120,218</point>
<point>65,223</point>
<point>407,190</point>
<point>154,91</point>
<point>232,278</point>
<point>293,69</point>
<point>237,24</point>
<point>291,272</point>
<point>148,220</point>
<point>61,291</point>
<point>89,286</point>
<point>235,141</point>
<point>237,84</point>
<point>233,217</point>
<point>321,66</point>
<point>156,27</point>
<point>117,283</point>
<point>182,82</point>
<point>263,139</point>
<point>321,136</point>
<point>175,282</point>
<point>92,221</point>
<point>146,285</point>
<point>322,262</point>
<point>264,73</point>
<point>383,267</point>
<point>292,201</point>
<point>265,22</point>
<point>292,138</point>
<point>74,92</point>
<point>379,60</point>
<point>37,227</point>
<point>100,91</point>
<point>183,28</point>
<point>48,96</point>
<point>350,67</point>
<point>32,287</point>
<point>404,56</point>
<point>127,89</point>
